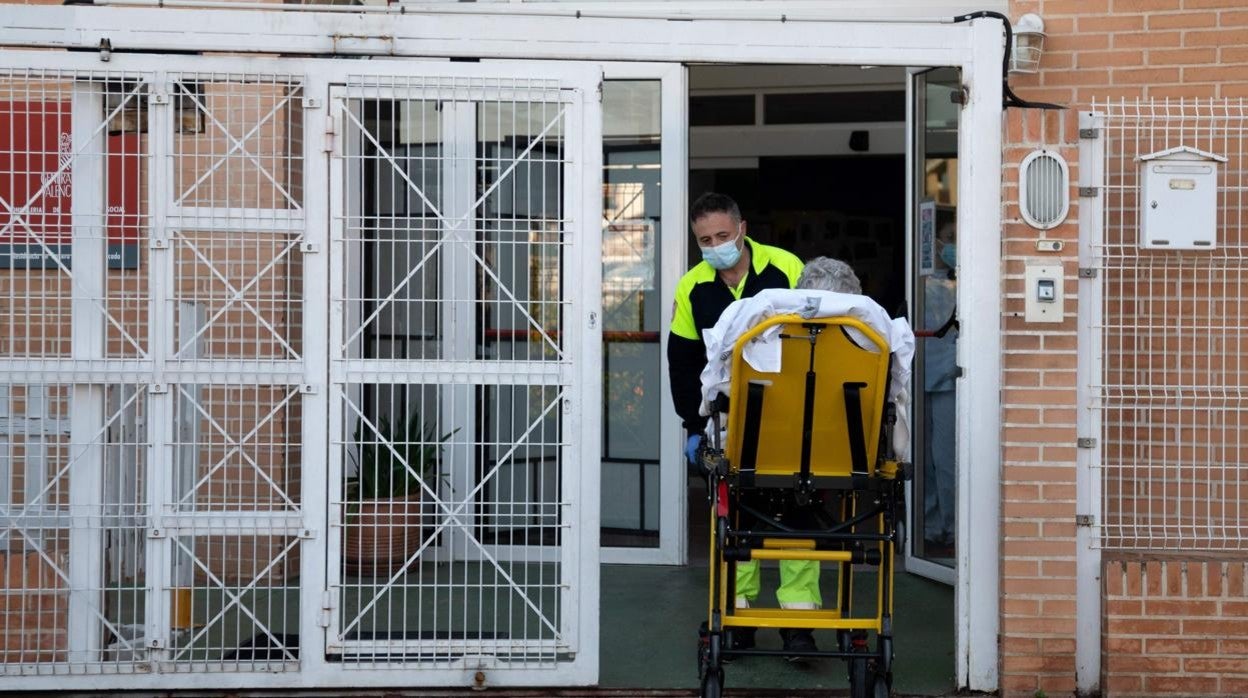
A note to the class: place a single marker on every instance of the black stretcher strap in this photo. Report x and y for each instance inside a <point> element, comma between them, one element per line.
<point>753,422</point>
<point>808,422</point>
<point>853,420</point>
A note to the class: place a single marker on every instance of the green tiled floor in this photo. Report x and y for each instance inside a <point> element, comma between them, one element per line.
<point>650,617</point>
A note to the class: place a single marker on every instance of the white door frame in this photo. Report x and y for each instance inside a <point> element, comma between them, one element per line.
<point>674,161</point>
<point>918,565</point>
<point>752,35</point>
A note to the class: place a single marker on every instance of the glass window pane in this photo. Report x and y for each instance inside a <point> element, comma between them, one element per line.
<point>632,364</point>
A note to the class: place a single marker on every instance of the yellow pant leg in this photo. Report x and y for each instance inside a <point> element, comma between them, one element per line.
<point>799,584</point>
<point>748,584</point>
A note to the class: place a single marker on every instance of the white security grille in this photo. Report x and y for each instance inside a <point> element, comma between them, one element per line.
<point>74,345</point>
<point>192,467</point>
<point>151,303</point>
<point>1169,333</point>
<point>454,410</point>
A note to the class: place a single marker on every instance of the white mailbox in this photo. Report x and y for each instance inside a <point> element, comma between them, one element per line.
<point>1179,199</point>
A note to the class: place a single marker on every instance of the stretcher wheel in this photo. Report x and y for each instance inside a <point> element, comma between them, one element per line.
<point>704,649</point>
<point>860,678</point>
<point>713,684</point>
<point>880,687</point>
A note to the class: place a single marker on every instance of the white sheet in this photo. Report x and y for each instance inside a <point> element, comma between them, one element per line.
<point>763,353</point>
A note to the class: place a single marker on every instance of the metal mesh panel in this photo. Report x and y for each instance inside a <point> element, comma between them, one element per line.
<point>74,320</point>
<point>71,185</point>
<point>150,307</point>
<point>1172,334</point>
<point>235,233</point>
<point>450,407</point>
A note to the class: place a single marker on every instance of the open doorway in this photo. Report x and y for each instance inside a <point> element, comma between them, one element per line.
<point>816,157</point>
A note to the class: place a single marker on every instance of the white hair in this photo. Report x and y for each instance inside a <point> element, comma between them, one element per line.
<point>827,274</point>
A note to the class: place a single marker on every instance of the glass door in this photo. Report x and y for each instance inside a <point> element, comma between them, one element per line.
<point>643,231</point>
<point>935,96</point>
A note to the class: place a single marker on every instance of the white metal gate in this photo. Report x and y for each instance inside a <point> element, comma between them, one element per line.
<point>462,292</point>
<point>165,431</point>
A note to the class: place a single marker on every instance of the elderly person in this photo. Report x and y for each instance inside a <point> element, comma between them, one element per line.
<point>828,274</point>
<point>826,288</point>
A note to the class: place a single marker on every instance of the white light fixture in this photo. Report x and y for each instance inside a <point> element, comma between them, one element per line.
<point>1028,44</point>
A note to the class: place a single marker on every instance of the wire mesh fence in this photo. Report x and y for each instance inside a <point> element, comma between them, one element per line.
<point>1170,395</point>
<point>161,354</point>
<point>453,509</point>
<point>150,311</point>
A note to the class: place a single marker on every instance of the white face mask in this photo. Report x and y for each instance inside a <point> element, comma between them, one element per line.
<point>724,255</point>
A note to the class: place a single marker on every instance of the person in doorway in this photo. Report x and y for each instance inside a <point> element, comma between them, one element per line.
<point>733,267</point>
<point>940,373</point>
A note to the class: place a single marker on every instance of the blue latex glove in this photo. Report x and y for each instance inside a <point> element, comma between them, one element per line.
<point>691,448</point>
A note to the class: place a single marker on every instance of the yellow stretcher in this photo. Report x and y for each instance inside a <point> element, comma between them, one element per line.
<point>817,434</point>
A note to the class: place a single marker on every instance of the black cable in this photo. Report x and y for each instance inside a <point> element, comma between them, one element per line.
<point>950,324</point>
<point>1011,99</point>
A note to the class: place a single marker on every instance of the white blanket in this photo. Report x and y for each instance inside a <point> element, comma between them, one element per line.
<point>763,352</point>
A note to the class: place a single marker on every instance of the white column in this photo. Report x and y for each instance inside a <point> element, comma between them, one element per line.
<point>161,344</point>
<point>86,474</point>
<point>316,486</point>
<point>1088,418</point>
<point>583,286</point>
<point>979,355</point>
<point>459,338</point>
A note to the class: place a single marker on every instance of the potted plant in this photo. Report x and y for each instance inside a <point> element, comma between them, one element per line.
<point>385,498</point>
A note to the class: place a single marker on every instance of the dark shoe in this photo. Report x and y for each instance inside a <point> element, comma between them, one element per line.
<point>798,640</point>
<point>742,639</point>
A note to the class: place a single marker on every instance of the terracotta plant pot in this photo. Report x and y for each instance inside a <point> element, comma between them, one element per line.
<point>381,535</point>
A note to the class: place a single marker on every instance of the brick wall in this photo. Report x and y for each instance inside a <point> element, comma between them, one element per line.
<point>34,608</point>
<point>1038,467</point>
<point>1175,627</point>
<point>1097,49</point>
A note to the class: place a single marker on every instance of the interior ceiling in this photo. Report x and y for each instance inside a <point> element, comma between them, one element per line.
<point>714,78</point>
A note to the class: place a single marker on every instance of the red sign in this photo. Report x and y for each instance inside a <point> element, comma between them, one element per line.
<point>36,174</point>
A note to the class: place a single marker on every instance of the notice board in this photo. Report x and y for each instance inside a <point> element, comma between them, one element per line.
<point>36,189</point>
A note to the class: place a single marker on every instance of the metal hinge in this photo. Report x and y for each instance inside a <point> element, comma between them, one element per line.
<point>160,98</point>
<point>156,643</point>
<point>330,130</point>
<point>311,103</point>
<point>1087,272</point>
<point>158,389</point>
<point>1089,192</point>
<point>962,95</point>
<point>309,248</point>
<point>1085,520</point>
<point>1085,442</point>
<point>593,319</point>
<point>158,244</point>
<point>1089,133</point>
<point>327,607</point>
<point>307,389</point>
<point>156,533</point>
